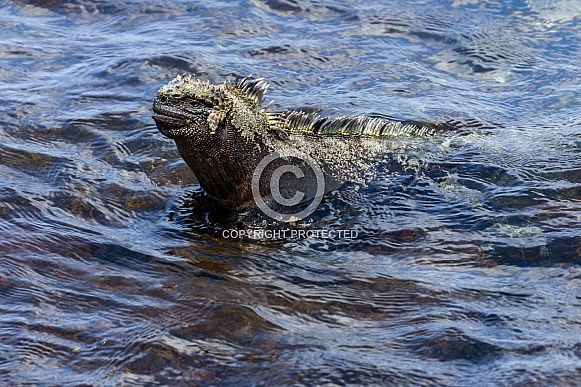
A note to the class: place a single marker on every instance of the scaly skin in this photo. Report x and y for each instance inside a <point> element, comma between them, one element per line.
<point>222,132</point>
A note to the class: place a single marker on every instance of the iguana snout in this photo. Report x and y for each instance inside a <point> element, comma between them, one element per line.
<point>177,117</point>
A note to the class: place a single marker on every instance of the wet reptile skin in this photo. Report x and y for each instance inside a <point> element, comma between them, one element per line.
<point>223,132</point>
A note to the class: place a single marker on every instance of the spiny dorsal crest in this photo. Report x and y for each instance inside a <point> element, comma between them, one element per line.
<point>253,88</point>
<point>231,98</point>
<point>228,97</point>
<point>296,122</point>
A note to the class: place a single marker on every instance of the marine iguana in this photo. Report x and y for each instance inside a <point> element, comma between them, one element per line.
<point>224,131</point>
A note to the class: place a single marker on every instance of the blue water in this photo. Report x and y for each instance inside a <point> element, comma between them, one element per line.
<point>466,271</point>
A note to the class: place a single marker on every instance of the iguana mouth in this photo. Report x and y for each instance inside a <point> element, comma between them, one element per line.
<point>172,116</point>
<point>166,120</point>
<point>168,115</point>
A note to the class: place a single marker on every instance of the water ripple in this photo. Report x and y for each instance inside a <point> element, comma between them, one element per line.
<point>114,268</point>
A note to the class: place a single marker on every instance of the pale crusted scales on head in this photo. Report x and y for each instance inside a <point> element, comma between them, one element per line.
<point>241,99</point>
<point>188,86</point>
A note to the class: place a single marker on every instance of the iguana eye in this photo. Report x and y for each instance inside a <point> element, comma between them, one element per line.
<point>195,103</point>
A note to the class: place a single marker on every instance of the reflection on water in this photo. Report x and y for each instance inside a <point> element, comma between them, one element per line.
<point>113,265</point>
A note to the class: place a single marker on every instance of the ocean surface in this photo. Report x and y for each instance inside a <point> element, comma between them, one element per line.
<point>463,271</point>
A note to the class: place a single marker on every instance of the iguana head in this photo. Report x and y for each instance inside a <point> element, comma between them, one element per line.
<point>219,131</point>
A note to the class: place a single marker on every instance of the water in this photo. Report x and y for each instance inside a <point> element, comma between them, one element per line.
<point>466,271</point>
